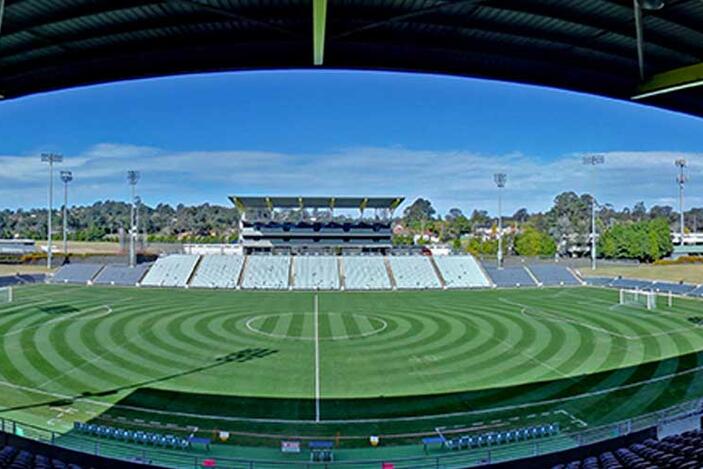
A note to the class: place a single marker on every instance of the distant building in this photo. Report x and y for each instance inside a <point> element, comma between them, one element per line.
<point>17,246</point>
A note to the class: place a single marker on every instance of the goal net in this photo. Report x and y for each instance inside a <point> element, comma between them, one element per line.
<point>5,295</point>
<point>646,299</point>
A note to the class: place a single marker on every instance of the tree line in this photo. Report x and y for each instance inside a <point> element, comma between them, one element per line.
<point>563,229</point>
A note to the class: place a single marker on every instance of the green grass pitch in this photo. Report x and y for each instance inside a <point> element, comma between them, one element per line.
<point>394,363</point>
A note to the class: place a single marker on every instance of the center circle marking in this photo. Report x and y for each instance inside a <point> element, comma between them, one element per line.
<point>379,324</point>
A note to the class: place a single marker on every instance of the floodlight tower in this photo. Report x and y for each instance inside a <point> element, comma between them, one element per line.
<point>66,177</point>
<point>681,179</point>
<point>593,161</point>
<point>132,178</point>
<point>500,180</point>
<point>50,158</point>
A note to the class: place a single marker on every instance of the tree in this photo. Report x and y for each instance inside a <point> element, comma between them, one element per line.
<point>645,240</point>
<point>532,242</point>
<point>521,216</point>
<point>420,212</point>
<point>639,211</point>
<point>479,218</point>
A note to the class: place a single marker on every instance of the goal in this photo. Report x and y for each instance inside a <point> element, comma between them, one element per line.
<point>5,295</point>
<point>646,299</point>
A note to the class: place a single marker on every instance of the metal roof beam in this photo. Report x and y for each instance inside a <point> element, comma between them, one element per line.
<point>405,16</point>
<point>319,23</point>
<point>231,14</point>
<point>2,13</point>
<point>670,81</point>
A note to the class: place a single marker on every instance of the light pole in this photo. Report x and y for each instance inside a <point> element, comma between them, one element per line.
<point>132,178</point>
<point>593,161</point>
<point>50,158</point>
<point>500,180</point>
<point>137,203</point>
<point>66,177</point>
<point>681,179</point>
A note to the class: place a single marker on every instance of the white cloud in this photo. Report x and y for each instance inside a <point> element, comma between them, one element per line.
<point>449,178</point>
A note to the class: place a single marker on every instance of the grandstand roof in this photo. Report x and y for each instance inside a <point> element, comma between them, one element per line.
<point>272,202</point>
<point>588,46</point>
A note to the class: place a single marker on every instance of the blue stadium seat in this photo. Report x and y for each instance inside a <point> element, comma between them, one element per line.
<point>553,274</point>
<point>509,276</point>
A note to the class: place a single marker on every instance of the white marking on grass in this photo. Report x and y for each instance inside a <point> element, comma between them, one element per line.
<point>317,360</point>
<point>572,417</point>
<point>250,326</point>
<point>538,313</point>
<point>108,405</point>
<point>64,317</point>
<point>95,359</point>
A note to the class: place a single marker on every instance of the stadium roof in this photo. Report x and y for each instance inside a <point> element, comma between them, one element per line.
<point>360,203</point>
<point>589,45</point>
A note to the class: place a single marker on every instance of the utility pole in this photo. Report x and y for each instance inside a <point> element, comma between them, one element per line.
<point>500,180</point>
<point>50,158</point>
<point>66,177</point>
<point>681,179</point>
<point>593,161</point>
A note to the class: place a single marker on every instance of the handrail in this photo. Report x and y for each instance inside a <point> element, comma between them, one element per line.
<point>465,458</point>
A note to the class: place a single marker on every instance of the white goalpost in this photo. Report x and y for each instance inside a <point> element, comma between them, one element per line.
<point>646,299</point>
<point>5,295</point>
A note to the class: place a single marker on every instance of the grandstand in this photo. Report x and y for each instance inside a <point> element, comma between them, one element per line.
<point>509,276</point>
<point>675,288</point>
<point>413,272</point>
<point>316,273</point>
<point>115,274</point>
<point>267,272</point>
<point>461,272</point>
<point>632,284</point>
<point>365,273</point>
<point>218,271</point>
<point>76,273</point>
<point>698,291</point>
<point>171,271</point>
<point>683,451</point>
<point>268,226</point>
<point>553,274</point>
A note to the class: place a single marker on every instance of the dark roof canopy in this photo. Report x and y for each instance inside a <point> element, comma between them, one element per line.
<point>585,45</point>
<point>273,202</point>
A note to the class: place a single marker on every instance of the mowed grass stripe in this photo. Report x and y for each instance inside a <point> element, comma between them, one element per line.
<point>355,324</point>
<point>435,342</point>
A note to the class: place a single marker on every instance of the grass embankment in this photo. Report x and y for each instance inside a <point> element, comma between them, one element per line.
<point>688,273</point>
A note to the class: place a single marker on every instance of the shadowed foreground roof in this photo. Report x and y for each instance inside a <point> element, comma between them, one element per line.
<point>587,45</point>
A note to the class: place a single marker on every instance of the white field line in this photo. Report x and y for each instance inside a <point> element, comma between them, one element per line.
<point>250,327</point>
<point>317,361</point>
<point>572,417</point>
<point>27,303</point>
<point>95,359</point>
<point>524,311</point>
<point>64,318</point>
<point>527,405</point>
<point>551,317</point>
<point>511,348</point>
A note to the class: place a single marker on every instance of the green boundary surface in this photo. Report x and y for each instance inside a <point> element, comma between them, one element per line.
<point>267,365</point>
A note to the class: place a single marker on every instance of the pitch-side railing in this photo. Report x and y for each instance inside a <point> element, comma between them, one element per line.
<point>447,460</point>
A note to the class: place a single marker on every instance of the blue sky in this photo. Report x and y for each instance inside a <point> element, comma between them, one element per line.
<point>199,138</point>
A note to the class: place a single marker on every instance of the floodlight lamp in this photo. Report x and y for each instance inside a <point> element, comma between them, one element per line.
<point>500,179</point>
<point>66,176</point>
<point>133,177</point>
<point>51,158</point>
<point>594,159</point>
